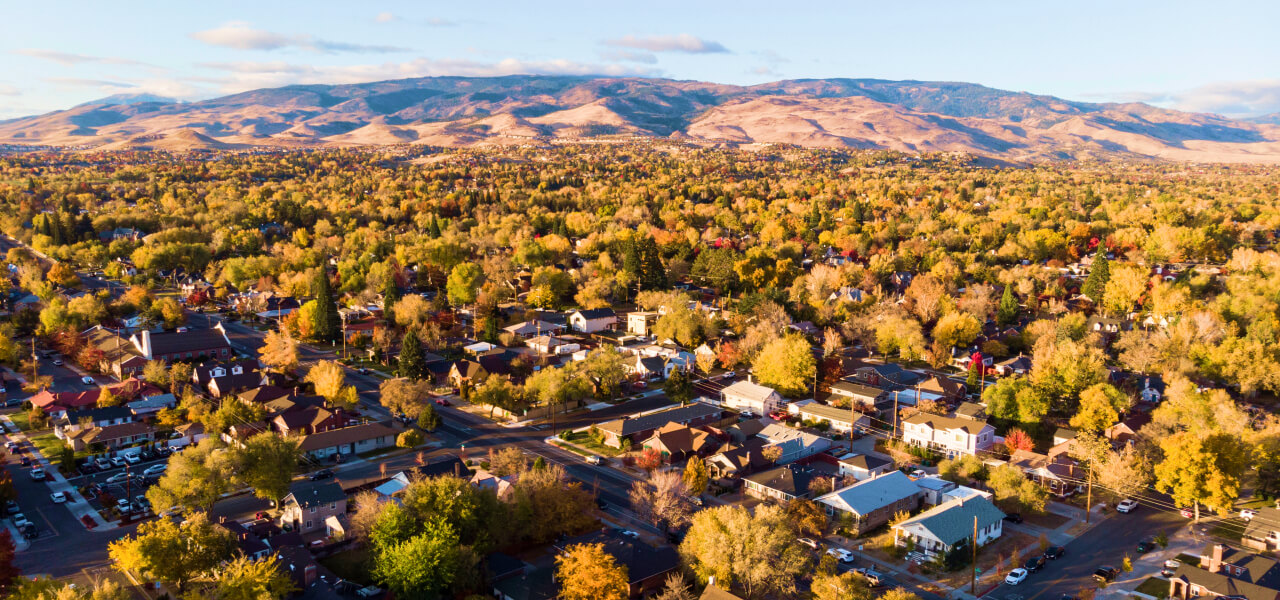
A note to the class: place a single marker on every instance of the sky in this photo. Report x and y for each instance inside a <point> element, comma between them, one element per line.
<point>1221,57</point>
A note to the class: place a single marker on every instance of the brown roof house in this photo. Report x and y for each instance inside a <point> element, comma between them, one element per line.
<point>112,437</point>
<point>310,503</point>
<point>679,442</point>
<point>349,440</point>
<point>640,427</point>
<point>1227,572</point>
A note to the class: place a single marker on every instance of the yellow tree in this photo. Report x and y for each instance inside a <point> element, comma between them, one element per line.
<point>1202,470</point>
<point>587,572</point>
<point>280,351</point>
<point>328,377</point>
<point>786,364</point>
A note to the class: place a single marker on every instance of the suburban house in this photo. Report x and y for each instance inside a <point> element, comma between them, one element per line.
<point>795,444</point>
<point>886,374</point>
<point>111,437</point>
<point>785,483</point>
<point>947,388</point>
<point>309,421</point>
<point>475,371</point>
<point>873,502</point>
<point>950,435</point>
<point>119,356</point>
<point>856,394</point>
<point>58,402</point>
<point>647,368</point>
<point>638,428</point>
<point>528,329</point>
<point>310,503</point>
<point>1225,572</point>
<point>737,461</point>
<point>679,442</point>
<point>745,396</point>
<point>89,418</point>
<point>592,320</point>
<point>1056,471</point>
<point>1018,365</point>
<point>950,524</point>
<point>223,378</point>
<point>647,566</point>
<point>841,420</point>
<point>641,323</point>
<point>1263,531</point>
<point>550,344</point>
<point>151,405</point>
<point>863,466</point>
<point>191,344</point>
<point>502,487</point>
<point>349,440</point>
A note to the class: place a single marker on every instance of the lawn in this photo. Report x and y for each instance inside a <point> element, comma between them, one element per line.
<point>1229,528</point>
<point>49,445</point>
<point>1154,586</point>
<point>350,565</point>
<point>1047,520</point>
<point>21,419</point>
<point>584,440</point>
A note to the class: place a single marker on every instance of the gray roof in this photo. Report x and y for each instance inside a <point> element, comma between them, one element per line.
<point>867,496</point>
<point>314,493</point>
<point>679,414</point>
<point>952,522</point>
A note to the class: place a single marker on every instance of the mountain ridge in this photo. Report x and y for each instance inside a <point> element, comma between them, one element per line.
<point>908,115</point>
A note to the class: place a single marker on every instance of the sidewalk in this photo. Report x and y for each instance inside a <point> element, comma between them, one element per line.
<point>1145,566</point>
<point>57,483</point>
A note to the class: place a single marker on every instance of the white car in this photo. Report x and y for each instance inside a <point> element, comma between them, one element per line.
<point>1016,576</point>
<point>37,474</point>
<point>58,497</point>
<point>841,554</point>
<point>20,520</point>
<point>1248,514</point>
<point>629,533</point>
<point>155,470</point>
<point>808,542</point>
<point>1127,505</point>
<point>593,460</point>
<point>132,459</point>
<point>87,380</point>
<point>729,375</point>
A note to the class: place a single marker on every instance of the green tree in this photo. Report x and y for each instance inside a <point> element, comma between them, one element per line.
<point>679,386</point>
<point>327,323</point>
<point>696,475</point>
<point>1007,310</point>
<point>163,550</point>
<point>413,363</point>
<point>1011,487</point>
<point>786,364</point>
<point>195,480</point>
<point>390,295</point>
<point>410,438</point>
<point>1099,274</point>
<point>429,419</point>
<point>247,579</point>
<point>421,567</point>
<point>266,462</point>
<point>464,280</point>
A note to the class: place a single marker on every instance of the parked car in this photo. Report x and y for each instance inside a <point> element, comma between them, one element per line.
<point>629,533</point>
<point>321,475</point>
<point>26,461</point>
<point>262,514</point>
<point>87,380</point>
<point>593,459</point>
<point>1106,573</point>
<point>1145,546</point>
<point>1055,552</point>
<point>118,461</point>
<point>155,470</point>
<point>873,578</point>
<point>1127,505</point>
<point>1013,518</point>
<point>1015,577</point>
<point>102,463</point>
<point>123,505</point>
<point>1034,564</point>
<point>10,446</point>
<point>729,375</point>
<point>20,520</point>
<point>57,362</point>
<point>11,507</point>
<point>37,474</point>
<point>841,554</point>
<point>1248,514</point>
<point>121,477</point>
<point>58,497</point>
<point>1187,513</point>
<point>808,542</point>
<point>443,402</point>
<point>132,459</point>
<point>141,502</point>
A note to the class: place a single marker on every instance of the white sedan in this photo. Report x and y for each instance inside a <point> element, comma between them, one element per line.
<point>841,554</point>
<point>58,497</point>
<point>1016,576</point>
<point>1127,505</point>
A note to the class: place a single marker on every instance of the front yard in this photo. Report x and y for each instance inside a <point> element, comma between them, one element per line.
<point>49,445</point>
<point>1157,587</point>
<point>583,440</point>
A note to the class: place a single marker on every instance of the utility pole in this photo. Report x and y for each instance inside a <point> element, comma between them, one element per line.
<point>973,573</point>
<point>128,486</point>
<point>895,414</point>
<point>1088,495</point>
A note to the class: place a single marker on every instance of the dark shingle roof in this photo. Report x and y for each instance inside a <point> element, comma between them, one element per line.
<point>315,493</point>
<point>683,414</point>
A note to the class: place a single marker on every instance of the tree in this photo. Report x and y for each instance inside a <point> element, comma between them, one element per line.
<point>765,558</point>
<point>956,329</point>
<point>1017,439</point>
<point>898,594</point>
<point>156,372</point>
<point>163,550</point>
<point>171,313</point>
<point>328,377</point>
<point>195,480</point>
<point>497,392</point>
<point>679,386</point>
<point>247,579</point>
<point>413,363</point>
<point>1010,486</point>
<point>406,396</point>
<point>279,351</point>
<point>417,561</point>
<point>180,377</point>
<point>771,453</point>
<point>696,475</point>
<point>8,570</point>
<point>64,275</point>
<point>107,399</point>
<point>676,588</point>
<point>1202,470</point>
<point>326,321</point>
<point>662,500</point>
<point>649,459</point>
<point>464,280</point>
<point>429,419</point>
<point>1015,399</point>
<point>1007,310</point>
<point>786,364</point>
<point>266,462</point>
<point>847,586</point>
<point>1095,285</point>
<point>1100,407</point>
<point>507,461</point>
<point>587,572</point>
<point>1125,287</point>
<point>410,438</point>
<point>806,516</point>
<point>1125,473</point>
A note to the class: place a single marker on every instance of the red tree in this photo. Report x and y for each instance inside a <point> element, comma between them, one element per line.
<point>1018,439</point>
<point>650,459</point>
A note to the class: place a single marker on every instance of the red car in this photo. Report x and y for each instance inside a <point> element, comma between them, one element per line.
<point>1187,513</point>
<point>262,514</point>
<point>442,402</point>
<point>778,415</point>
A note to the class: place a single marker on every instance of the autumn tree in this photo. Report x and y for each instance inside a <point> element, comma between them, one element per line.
<point>1096,283</point>
<point>956,329</point>
<point>786,364</point>
<point>464,281</point>
<point>588,572</point>
<point>649,459</point>
<point>244,578</point>
<point>195,480</point>
<point>163,550</point>
<point>806,516</point>
<point>1202,470</point>
<point>1011,487</point>
<point>765,559</point>
<point>8,570</point>
<point>696,475</point>
<point>266,462</point>
<point>279,351</point>
<point>329,378</point>
<point>1100,407</point>
<point>507,461</point>
<point>844,586</point>
<point>662,500</point>
<point>406,396</point>
<point>679,387</point>
<point>1017,439</point>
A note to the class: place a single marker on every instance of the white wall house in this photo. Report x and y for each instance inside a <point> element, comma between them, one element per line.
<point>949,435</point>
<point>748,396</point>
<point>593,320</point>
<point>941,528</point>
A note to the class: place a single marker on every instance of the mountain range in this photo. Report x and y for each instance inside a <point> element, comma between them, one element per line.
<point>909,116</point>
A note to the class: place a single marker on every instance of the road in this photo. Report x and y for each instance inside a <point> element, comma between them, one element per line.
<point>1106,544</point>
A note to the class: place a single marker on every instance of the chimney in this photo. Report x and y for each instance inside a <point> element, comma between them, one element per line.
<point>146,343</point>
<point>1215,561</point>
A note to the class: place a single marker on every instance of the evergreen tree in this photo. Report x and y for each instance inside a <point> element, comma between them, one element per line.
<point>653,274</point>
<point>1099,275</point>
<point>328,322</point>
<point>679,387</point>
<point>631,258</point>
<point>429,419</point>
<point>412,362</point>
<point>1007,311</point>
<point>973,380</point>
<point>390,295</point>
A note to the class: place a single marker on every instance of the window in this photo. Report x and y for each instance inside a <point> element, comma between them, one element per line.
<point>313,509</point>
<point>308,524</point>
<point>333,506</point>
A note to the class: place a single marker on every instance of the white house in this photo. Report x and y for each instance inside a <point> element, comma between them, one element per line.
<point>841,420</point>
<point>949,524</point>
<point>593,320</point>
<point>795,444</point>
<point>748,396</point>
<point>950,435</point>
<point>641,322</point>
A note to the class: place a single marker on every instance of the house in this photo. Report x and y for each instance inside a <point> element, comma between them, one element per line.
<point>502,487</point>
<point>1263,531</point>
<point>310,503</point>
<point>1055,471</point>
<point>856,394</point>
<point>950,435</point>
<point>78,420</point>
<point>119,356</point>
<point>473,372</point>
<point>647,368</point>
<point>528,329</point>
<point>592,320</point>
<point>863,466</point>
<point>151,405</point>
<point>191,344</point>
<point>636,428</point>
<point>738,460</point>
<point>647,566</point>
<point>946,387</point>
<point>846,294</point>
<point>349,440</point>
<point>972,411</point>
<point>795,444</point>
<point>550,344</point>
<point>840,420</point>
<point>111,437</point>
<point>678,442</point>
<point>950,525</point>
<point>936,489</point>
<point>641,323</point>
<point>1152,389</point>
<point>223,378</point>
<point>1125,432</point>
<point>309,421</point>
<point>745,396</point>
<point>785,483</point>
<point>887,374</point>
<point>873,502</point>
<point>1018,365</point>
<point>1227,572</point>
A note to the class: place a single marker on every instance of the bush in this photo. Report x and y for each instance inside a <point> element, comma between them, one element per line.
<point>409,439</point>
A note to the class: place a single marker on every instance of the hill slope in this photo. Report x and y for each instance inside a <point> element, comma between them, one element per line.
<point>912,116</point>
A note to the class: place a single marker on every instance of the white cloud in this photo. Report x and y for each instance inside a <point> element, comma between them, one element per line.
<point>668,43</point>
<point>1228,98</point>
<point>86,82</point>
<point>385,17</point>
<point>248,75</point>
<point>241,36</point>
<point>69,58</point>
<point>9,90</point>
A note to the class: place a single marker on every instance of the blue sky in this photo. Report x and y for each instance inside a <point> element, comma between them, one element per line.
<point>1215,57</point>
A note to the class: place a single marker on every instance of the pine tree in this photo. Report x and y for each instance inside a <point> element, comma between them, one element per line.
<point>973,381</point>
<point>1099,275</point>
<point>654,273</point>
<point>631,258</point>
<point>327,320</point>
<point>1007,311</point>
<point>412,362</point>
<point>390,295</point>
